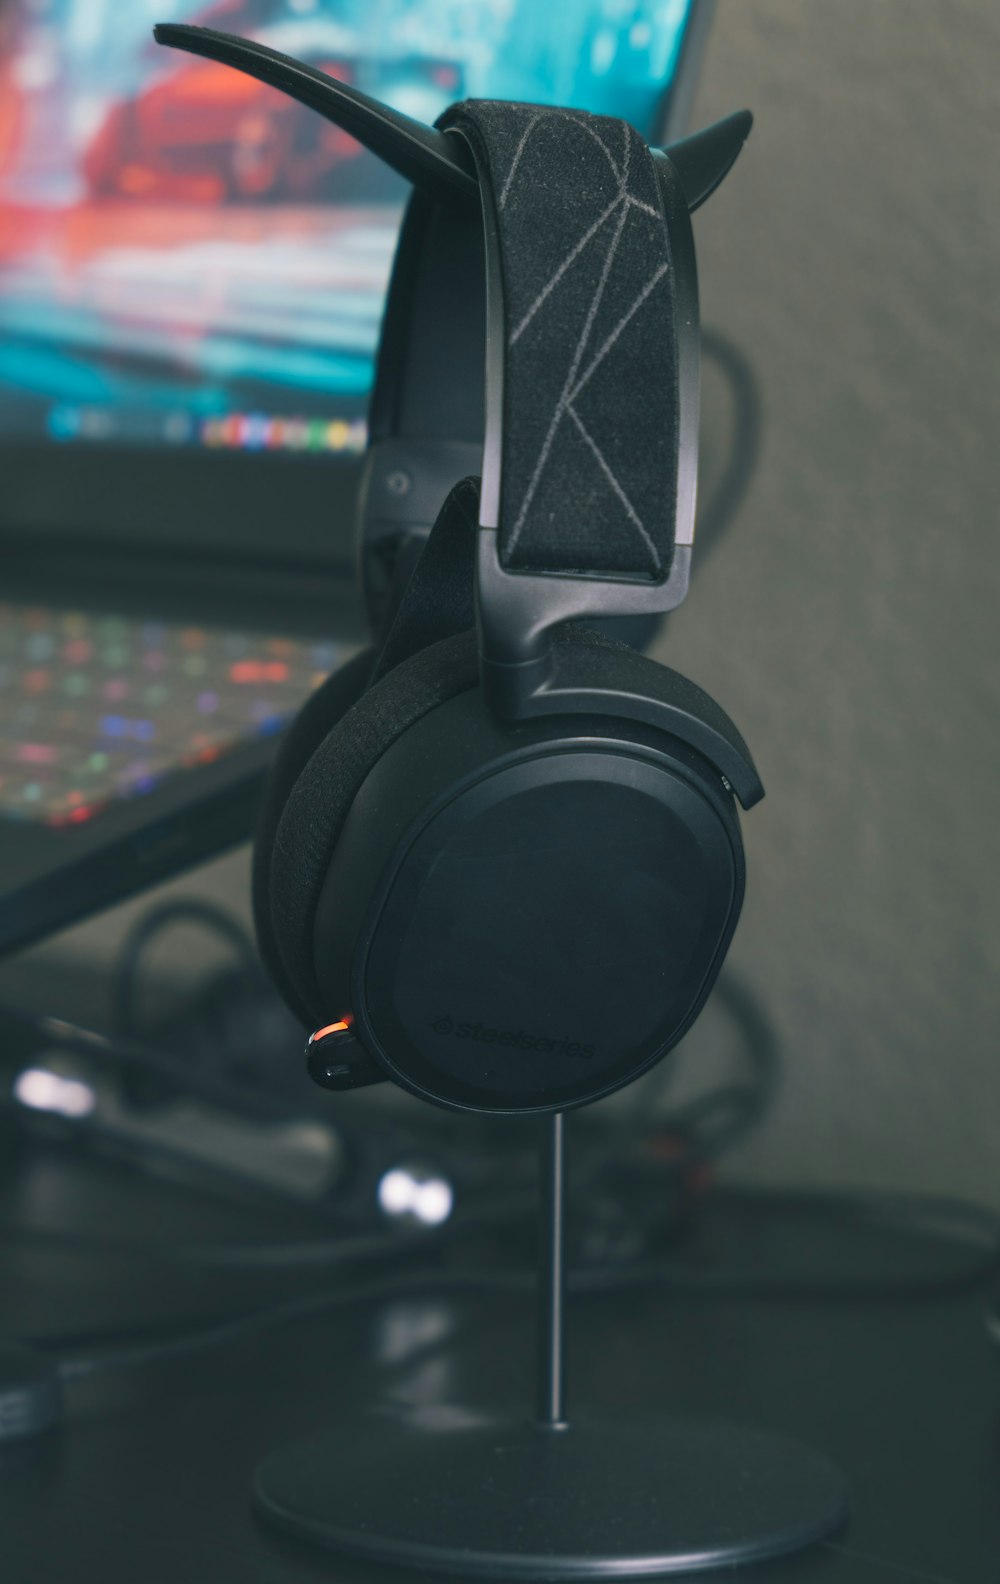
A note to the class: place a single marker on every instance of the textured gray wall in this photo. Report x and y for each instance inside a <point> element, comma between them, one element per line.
<point>849,623</point>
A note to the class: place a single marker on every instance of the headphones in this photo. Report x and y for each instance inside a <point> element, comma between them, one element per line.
<point>499,859</point>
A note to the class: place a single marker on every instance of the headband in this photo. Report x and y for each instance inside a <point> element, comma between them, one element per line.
<point>586,337</point>
<point>542,329</point>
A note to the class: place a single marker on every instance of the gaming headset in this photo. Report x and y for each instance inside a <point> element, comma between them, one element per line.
<point>499,859</point>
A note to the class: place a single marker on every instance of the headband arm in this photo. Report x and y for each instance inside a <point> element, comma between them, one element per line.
<point>518,610</point>
<point>443,344</point>
<point>426,411</point>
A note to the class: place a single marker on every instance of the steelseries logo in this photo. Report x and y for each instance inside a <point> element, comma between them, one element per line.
<point>512,1039</point>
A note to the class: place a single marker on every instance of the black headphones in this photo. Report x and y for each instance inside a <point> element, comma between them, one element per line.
<point>499,859</point>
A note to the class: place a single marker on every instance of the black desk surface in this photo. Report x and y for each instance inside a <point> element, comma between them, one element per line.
<point>147,1480</point>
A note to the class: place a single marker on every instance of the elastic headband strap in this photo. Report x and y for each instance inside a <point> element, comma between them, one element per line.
<point>588,455</point>
<point>583,387</point>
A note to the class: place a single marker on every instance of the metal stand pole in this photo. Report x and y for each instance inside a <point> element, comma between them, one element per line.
<point>551,1400</point>
<point>505,1497</point>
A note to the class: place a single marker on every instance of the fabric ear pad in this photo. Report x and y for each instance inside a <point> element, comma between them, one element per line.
<point>318,716</point>
<point>316,808</point>
<point>436,603</point>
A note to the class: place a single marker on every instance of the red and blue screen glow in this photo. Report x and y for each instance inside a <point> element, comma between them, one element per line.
<point>187,257</point>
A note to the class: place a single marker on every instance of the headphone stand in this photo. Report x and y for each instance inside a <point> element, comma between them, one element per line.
<point>497,1496</point>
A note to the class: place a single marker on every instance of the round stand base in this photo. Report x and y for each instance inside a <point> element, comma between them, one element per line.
<point>504,1499</point>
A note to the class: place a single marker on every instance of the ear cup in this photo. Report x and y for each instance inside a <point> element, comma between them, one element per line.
<point>313,816</point>
<point>315,720</point>
<point>316,808</point>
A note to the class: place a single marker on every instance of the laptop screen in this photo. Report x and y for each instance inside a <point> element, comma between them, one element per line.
<point>190,261</point>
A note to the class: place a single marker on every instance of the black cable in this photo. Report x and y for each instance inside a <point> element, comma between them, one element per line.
<point>185,910</point>
<point>720,1118</point>
<point>131,1056</point>
<point>290,1254</point>
<point>233,1256</point>
<point>717,513</point>
<point>932,1218</point>
<point>955,1220</point>
<point>706,1125</point>
<point>730,1110</point>
<point>714,1121</point>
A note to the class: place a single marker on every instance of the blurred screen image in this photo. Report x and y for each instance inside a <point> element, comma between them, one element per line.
<point>189,258</point>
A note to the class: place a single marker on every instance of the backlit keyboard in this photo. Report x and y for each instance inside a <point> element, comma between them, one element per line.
<point>94,708</point>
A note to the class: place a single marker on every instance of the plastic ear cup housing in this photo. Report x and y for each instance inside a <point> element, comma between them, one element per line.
<point>524,919</point>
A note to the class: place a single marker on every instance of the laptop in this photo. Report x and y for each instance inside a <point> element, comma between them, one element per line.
<point>192,274</point>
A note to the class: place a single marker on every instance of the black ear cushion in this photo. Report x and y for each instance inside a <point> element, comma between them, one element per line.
<point>315,720</point>
<point>315,811</point>
<point>317,807</point>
